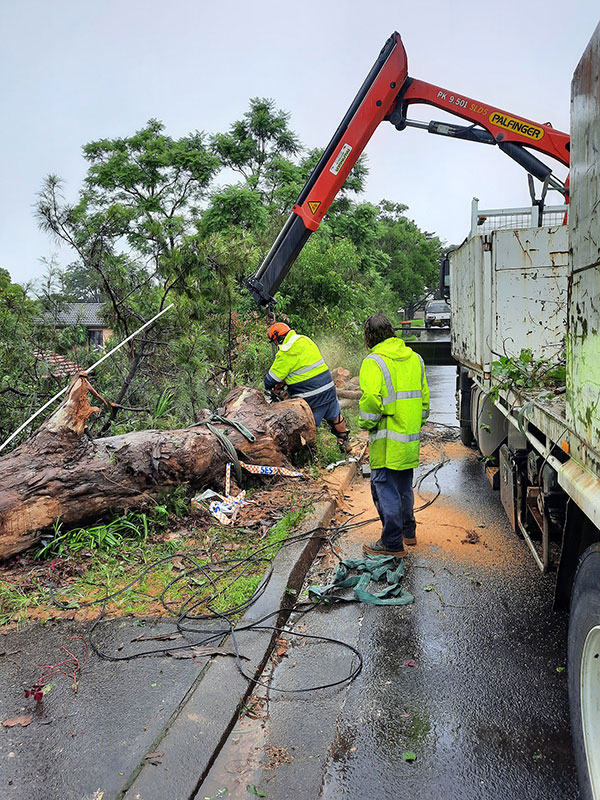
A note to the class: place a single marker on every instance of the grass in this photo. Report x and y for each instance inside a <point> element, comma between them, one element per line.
<point>15,603</point>
<point>102,568</point>
<point>244,586</point>
<point>327,448</point>
<point>111,535</point>
<point>351,415</point>
<point>339,352</point>
<point>238,593</point>
<point>108,573</point>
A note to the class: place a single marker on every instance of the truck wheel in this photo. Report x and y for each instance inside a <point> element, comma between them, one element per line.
<point>466,435</point>
<point>584,672</point>
<point>464,387</point>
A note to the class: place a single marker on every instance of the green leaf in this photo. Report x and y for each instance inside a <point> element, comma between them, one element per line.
<point>221,793</point>
<point>536,756</point>
<point>526,355</point>
<point>560,669</point>
<point>252,789</point>
<point>409,756</point>
<point>428,588</point>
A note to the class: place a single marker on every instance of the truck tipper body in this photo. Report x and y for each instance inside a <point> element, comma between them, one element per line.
<point>526,294</point>
<point>509,295</point>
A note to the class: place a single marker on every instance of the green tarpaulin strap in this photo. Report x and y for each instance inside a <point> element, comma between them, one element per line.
<point>237,425</point>
<point>371,568</point>
<point>229,448</point>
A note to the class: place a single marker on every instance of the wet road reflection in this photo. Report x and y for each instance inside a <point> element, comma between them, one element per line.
<point>485,708</point>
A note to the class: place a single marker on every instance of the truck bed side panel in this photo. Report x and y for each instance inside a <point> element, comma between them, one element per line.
<point>509,292</point>
<point>468,275</point>
<point>583,352</point>
<point>530,291</point>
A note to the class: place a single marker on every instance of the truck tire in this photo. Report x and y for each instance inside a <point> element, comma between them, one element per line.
<point>465,423</point>
<point>584,672</point>
<point>466,434</point>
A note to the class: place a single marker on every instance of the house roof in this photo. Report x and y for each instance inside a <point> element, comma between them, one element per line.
<point>58,366</point>
<point>88,314</point>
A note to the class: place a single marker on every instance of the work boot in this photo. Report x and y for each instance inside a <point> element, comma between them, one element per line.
<point>379,549</point>
<point>410,540</point>
<point>340,431</point>
<point>344,444</point>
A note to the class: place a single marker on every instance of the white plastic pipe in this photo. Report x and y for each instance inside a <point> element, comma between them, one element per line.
<point>88,370</point>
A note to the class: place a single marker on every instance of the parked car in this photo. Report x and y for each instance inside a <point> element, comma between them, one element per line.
<point>437,313</point>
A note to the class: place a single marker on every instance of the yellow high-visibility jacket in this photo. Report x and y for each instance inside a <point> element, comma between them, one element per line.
<point>300,364</point>
<point>394,404</point>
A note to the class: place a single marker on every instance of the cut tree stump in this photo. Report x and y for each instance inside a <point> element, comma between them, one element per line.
<point>61,472</point>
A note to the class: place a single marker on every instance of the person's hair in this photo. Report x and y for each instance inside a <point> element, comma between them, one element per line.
<point>377,329</point>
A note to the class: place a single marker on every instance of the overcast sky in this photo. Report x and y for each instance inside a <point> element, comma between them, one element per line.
<point>75,71</point>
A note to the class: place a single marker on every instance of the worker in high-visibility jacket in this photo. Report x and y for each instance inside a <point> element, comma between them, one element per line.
<point>393,407</point>
<point>300,365</point>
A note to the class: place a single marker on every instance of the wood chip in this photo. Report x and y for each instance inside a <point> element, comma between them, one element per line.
<point>161,637</point>
<point>22,721</point>
<point>204,652</point>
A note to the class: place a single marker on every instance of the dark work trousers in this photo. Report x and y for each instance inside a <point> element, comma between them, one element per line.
<point>393,497</point>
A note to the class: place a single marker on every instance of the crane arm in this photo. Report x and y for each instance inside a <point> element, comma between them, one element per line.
<point>385,94</point>
<point>376,99</point>
<point>490,125</point>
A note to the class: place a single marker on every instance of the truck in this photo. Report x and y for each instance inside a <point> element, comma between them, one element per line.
<point>524,291</point>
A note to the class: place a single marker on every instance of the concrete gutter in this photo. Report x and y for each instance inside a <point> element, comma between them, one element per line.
<point>199,727</point>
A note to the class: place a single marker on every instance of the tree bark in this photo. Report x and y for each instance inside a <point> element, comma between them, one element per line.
<point>61,472</point>
<point>349,394</point>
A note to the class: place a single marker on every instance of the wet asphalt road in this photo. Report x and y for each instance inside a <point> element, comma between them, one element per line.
<point>85,745</point>
<point>485,708</point>
<point>442,387</point>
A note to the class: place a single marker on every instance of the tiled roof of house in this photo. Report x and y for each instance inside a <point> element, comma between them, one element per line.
<point>58,366</point>
<point>88,314</point>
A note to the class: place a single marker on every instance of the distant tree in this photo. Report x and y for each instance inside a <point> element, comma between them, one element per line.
<point>81,284</point>
<point>355,182</point>
<point>139,206</point>
<point>21,384</point>
<point>235,206</point>
<point>139,202</point>
<point>413,255</point>
<point>258,146</point>
<point>360,223</point>
<point>329,289</point>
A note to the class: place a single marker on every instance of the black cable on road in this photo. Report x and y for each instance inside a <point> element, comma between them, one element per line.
<point>187,618</point>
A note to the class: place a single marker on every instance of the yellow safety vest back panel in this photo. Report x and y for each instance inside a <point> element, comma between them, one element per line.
<point>394,404</point>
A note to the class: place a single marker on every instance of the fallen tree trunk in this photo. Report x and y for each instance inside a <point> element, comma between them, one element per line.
<point>61,472</point>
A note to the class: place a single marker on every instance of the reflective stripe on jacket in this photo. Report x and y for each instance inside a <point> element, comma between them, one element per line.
<point>394,404</point>
<point>300,364</point>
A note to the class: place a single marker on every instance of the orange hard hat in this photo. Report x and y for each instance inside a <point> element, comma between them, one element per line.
<point>278,330</point>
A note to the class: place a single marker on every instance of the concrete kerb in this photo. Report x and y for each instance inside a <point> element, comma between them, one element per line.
<point>201,724</point>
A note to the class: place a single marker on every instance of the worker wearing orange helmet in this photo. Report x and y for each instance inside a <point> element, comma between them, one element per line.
<point>300,365</point>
